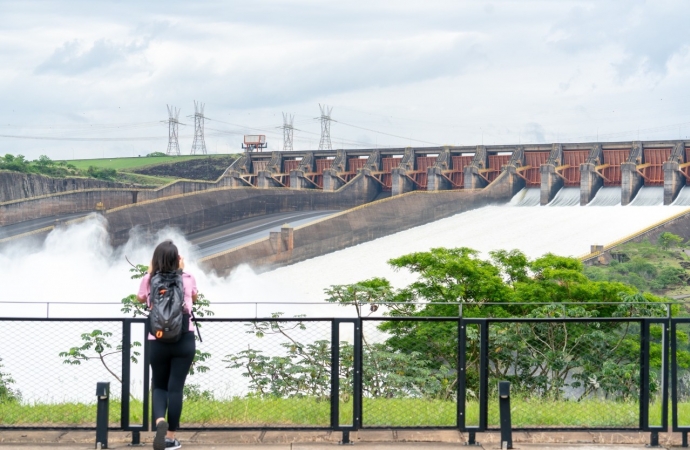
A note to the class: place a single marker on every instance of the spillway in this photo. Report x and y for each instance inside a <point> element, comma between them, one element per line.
<point>534,230</point>
<point>683,198</point>
<point>649,196</point>
<point>567,196</point>
<point>607,196</point>
<point>526,197</point>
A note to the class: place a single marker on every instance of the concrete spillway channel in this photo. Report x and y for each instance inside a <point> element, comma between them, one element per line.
<point>207,242</point>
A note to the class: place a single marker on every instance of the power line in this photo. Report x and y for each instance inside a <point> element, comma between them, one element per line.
<point>386,134</point>
<point>56,138</point>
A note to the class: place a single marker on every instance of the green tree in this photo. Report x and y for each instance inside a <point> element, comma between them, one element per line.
<point>668,240</point>
<point>7,393</point>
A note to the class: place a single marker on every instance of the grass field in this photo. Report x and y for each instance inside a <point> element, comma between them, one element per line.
<point>376,412</point>
<point>132,163</point>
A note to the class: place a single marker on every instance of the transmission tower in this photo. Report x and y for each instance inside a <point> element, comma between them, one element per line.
<point>288,129</point>
<point>173,125</point>
<point>199,145</point>
<point>325,143</point>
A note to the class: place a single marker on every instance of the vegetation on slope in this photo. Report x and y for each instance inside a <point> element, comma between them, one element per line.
<point>155,169</point>
<point>659,268</point>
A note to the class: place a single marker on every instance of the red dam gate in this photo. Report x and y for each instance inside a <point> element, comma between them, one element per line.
<point>573,159</point>
<point>534,160</point>
<point>652,169</point>
<point>457,176</point>
<point>614,159</point>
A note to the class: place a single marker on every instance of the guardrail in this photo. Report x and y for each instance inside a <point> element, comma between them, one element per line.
<point>348,374</point>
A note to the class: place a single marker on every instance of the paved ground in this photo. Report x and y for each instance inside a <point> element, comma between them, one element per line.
<point>364,440</point>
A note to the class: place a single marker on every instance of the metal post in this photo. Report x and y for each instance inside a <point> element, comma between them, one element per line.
<point>685,439</point>
<point>472,438</point>
<point>357,390</point>
<point>346,438</point>
<point>335,375</point>
<point>504,407</point>
<point>654,439</point>
<point>103,396</point>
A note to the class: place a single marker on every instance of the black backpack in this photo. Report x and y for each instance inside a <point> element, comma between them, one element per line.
<point>167,319</point>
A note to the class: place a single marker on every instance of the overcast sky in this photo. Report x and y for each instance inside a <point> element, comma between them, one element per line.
<point>396,73</point>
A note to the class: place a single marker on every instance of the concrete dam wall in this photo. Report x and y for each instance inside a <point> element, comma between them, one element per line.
<point>203,210</point>
<point>21,186</point>
<point>87,199</point>
<point>359,225</point>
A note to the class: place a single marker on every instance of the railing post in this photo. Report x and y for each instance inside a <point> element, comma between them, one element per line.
<point>103,396</point>
<point>654,439</point>
<point>357,391</point>
<point>504,407</point>
<point>126,380</point>
<point>335,375</point>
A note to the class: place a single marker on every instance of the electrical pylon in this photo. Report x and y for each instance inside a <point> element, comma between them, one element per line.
<point>199,144</point>
<point>173,126</point>
<point>288,129</point>
<point>325,143</point>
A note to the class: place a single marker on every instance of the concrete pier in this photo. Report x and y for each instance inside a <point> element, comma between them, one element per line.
<point>674,179</point>
<point>473,173</point>
<point>551,181</point>
<point>590,180</point>
<point>631,179</point>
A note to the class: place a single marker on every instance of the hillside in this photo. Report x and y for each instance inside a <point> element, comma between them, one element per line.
<point>657,267</point>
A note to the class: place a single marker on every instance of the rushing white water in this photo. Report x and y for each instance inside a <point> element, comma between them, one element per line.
<point>567,196</point>
<point>683,198</point>
<point>649,196</point>
<point>526,197</point>
<point>607,196</point>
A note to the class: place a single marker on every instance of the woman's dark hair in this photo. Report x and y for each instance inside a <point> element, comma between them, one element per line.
<point>165,258</point>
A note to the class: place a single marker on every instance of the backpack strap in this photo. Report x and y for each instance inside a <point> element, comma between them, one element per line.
<point>197,326</point>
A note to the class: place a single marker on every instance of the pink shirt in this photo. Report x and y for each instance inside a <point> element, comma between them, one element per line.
<point>189,284</point>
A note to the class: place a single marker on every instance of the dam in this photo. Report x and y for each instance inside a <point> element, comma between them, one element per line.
<point>365,195</point>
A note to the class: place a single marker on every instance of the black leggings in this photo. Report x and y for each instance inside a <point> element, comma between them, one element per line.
<point>170,365</point>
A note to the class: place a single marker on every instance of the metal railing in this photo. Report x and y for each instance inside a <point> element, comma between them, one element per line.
<point>347,374</point>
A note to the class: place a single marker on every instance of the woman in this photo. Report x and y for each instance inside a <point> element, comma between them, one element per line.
<point>170,362</point>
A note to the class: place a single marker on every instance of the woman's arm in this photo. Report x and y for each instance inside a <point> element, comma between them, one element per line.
<point>143,293</point>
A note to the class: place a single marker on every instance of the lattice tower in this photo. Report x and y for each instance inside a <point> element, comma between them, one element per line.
<point>173,127</point>
<point>325,143</point>
<point>288,130</point>
<point>199,144</point>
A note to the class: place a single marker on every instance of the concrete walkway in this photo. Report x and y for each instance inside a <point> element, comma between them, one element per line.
<point>322,440</point>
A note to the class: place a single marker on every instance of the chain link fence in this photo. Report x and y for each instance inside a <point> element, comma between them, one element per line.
<point>341,374</point>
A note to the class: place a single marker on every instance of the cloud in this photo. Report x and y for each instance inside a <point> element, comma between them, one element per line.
<point>645,36</point>
<point>72,58</point>
<point>534,133</point>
